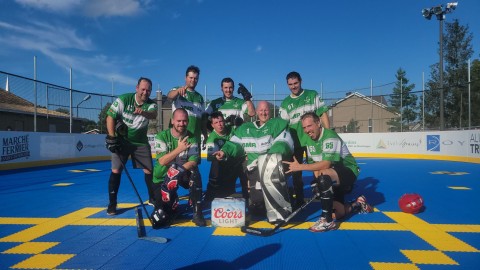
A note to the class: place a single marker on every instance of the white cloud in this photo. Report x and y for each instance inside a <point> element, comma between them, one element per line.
<point>51,5</point>
<point>89,8</point>
<point>53,42</point>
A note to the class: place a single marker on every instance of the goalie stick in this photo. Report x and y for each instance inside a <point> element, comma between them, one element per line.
<point>268,232</point>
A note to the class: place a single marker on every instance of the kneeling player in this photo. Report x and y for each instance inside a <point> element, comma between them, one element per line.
<point>335,172</point>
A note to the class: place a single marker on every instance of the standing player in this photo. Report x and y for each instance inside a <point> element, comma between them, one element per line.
<point>188,98</point>
<point>223,174</point>
<point>265,136</point>
<point>292,108</point>
<point>335,171</point>
<point>129,114</point>
<point>177,165</point>
<point>233,108</point>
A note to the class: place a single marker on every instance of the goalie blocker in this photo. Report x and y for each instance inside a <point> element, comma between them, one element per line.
<point>271,188</point>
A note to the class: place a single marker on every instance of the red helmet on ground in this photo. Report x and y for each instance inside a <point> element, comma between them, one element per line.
<point>411,203</point>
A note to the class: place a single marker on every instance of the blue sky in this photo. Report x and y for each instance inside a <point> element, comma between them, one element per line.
<point>337,45</point>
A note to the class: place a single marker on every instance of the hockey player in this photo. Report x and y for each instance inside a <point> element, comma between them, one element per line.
<point>223,174</point>
<point>255,139</point>
<point>335,171</point>
<point>130,113</point>
<point>233,108</point>
<point>177,160</point>
<point>292,108</point>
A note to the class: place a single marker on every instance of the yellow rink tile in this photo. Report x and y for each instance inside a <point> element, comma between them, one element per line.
<point>42,229</point>
<point>460,188</point>
<point>428,257</point>
<point>62,185</point>
<point>393,266</point>
<point>223,231</point>
<point>467,228</point>
<point>430,233</point>
<point>92,170</point>
<point>22,221</point>
<point>43,261</point>
<point>31,248</point>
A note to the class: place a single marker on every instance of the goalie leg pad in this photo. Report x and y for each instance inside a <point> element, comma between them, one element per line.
<point>274,186</point>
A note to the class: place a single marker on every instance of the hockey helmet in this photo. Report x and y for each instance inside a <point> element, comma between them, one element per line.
<point>411,203</point>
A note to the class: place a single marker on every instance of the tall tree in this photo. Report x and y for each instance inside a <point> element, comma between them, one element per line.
<point>101,118</point>
<point>404,102</point>
<point>457,50</point>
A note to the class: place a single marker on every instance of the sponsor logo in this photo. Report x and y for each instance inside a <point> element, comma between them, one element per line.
<point>433,143</point>
<point>79,146</point>
<point>15,147</point>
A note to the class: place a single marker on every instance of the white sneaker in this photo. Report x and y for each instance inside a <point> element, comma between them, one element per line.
<point>323,226</point>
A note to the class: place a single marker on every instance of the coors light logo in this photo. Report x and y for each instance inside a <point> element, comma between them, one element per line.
<point>227,215</point>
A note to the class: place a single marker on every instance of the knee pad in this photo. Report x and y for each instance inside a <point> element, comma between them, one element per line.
<point>325,184</point>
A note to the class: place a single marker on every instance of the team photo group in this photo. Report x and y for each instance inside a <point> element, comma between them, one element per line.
<point>243,142</point>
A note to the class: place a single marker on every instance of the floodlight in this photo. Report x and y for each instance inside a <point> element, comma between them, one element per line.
<point>426,13</point>
<point>452,6</point>
<point>437,10</point>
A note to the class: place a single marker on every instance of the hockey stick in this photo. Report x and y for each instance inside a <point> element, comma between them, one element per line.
<point>141,229</point>
<point>262,232</point>
<point>138,219</point>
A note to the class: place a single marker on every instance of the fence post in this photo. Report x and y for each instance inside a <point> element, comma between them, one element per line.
<point>159,111</point>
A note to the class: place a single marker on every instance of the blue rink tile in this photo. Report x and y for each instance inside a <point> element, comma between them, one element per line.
<point>9,260</point>
<point>8,229</point>
<point>473,239</point>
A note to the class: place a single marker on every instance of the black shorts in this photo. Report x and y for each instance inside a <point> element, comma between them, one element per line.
<point>347,180</point>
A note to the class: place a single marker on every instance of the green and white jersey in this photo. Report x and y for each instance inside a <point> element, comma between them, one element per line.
<point>331,147</point>
<point>165,143</point>
<point>193,103</point>
<point>123,108</point>
<point>254,140</point>
<point>293,107</point>
<point>235,106</point>
<point>216,141</point>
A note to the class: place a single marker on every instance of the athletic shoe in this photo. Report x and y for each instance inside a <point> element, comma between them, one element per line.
<point>112,209</point>
<point>199,220</point>
<point>323,226</point>
<point>364,206</point>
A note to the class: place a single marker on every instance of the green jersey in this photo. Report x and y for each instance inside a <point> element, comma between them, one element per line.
<point>123,108</point>
<point>331,147</point>
<point>165,143</point>
<point>293,107</point>
<point>193,103</point>
<point>235,106</point>
<point>254,140</point>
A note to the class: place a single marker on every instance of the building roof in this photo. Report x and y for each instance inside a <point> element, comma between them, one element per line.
<point>12,103</point>
<point>382,103</point>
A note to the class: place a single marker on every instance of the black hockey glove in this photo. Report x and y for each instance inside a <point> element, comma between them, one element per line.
<point>230,120</point>
<point>113,144</point>
<point>242,90</point>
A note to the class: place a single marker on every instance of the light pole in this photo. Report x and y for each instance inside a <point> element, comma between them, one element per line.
<point>440,12</point>
<point>87,97</point>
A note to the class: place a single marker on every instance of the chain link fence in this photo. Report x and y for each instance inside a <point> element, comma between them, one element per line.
<point>29,105</point>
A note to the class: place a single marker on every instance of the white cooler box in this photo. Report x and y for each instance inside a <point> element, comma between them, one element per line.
<point>228,212</point>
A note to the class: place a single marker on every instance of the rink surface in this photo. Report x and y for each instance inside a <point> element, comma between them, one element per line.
<point>55,218</point>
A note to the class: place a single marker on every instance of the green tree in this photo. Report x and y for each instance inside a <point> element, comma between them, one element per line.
<point>457,50</point>
<point>474,94</point>
<point>352,126</point>
<point>403,102</point>
<point>101,118</point>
